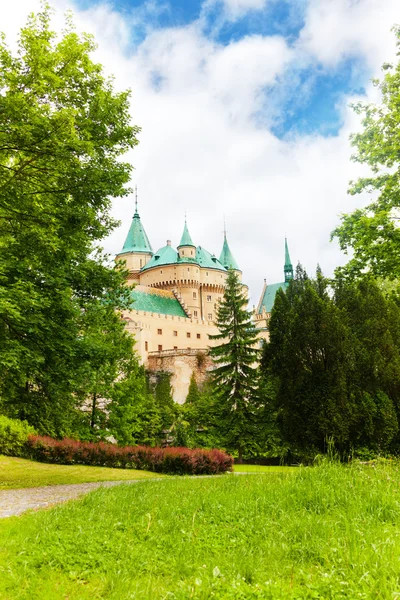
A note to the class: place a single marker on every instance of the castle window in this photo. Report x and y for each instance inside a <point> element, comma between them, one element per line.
<point>174,333</point>
<point>141,263</point>
<point>175,347</point>
<point>146,346</point>
<point>159,348</point>
<point>209,316</point>
<point>194,295</point>
<point>188,270</point>
<point>195,313</point>
<point>198,336</point>
<point>188,334</point>
<point>159,331</point>
<point>161,271</point>
<point>208,298</point>
<point>207,273</point>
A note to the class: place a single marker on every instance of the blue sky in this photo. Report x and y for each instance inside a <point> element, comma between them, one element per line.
<point>244,113</point>
<point>312,104</point>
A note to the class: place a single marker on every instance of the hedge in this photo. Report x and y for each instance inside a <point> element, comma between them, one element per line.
<point>179,461</point>
<point>13,436</point>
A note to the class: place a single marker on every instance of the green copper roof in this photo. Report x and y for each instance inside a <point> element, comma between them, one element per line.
<point>164,256</point>
<point>137,240</point>
<point>207,260</point>
<point>226,258</point>
<point>186,240</point>
<point>157,301</point>
<point>288,268</point>
<point>268,298</point>
<point>169,256</point>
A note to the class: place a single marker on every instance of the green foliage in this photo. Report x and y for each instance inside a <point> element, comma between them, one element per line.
<point>13,436</point>
<point>163,399</point>
<point>235,375</point>
<point>64,131</point>
<point>329,532</point>
<point>373,232</point>
<point>335,359</point>
<point>193,392</point>
<point>133,415</point>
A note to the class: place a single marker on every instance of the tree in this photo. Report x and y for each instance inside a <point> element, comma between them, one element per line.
<point>193,392</point>
<point>63,132</point>
<point>334,354</point>
<point>235,376</point>
<point>133,417</point>
<point>373,232</point>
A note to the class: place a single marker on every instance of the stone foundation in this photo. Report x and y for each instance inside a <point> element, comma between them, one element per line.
<point>181,364</point>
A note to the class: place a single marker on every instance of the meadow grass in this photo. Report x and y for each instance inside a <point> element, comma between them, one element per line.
<point>329,532</point>
<point>21,473</point>
<point>263,469</point>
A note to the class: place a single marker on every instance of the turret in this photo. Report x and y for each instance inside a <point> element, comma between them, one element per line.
<point>137,250</point>
<point>227,259</point>
<point>288,268</point>
<point>186,248</point>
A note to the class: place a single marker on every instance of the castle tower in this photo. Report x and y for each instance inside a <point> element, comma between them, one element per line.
<point>186,248</point>
<point>227,259</point>
<point>288,268</point>
<point>137,250</point>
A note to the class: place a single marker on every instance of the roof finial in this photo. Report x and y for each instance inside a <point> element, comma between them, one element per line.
<point>224,228</point>
<point>136,210</point>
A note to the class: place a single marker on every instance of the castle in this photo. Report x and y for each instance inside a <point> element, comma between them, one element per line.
<point>174,299</point>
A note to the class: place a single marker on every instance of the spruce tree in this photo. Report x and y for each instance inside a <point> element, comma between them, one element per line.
<point>235,376</point>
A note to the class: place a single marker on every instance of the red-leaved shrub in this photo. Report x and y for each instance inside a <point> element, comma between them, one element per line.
<point>179,461</point>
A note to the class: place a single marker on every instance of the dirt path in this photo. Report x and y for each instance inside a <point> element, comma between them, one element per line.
<point>15,502</point>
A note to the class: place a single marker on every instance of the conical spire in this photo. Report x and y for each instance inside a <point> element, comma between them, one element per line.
<point>288,268</point>
<point>137,240</point>
<point>226,258</point>
<point>186,240</point>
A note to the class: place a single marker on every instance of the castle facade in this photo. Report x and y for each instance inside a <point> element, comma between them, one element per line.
<point>174,295</point>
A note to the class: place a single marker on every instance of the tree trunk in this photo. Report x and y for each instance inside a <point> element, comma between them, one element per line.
<point>240,457</point>
<point>92,418</point>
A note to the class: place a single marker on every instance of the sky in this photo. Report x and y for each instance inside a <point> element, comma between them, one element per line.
<point>244,109</point>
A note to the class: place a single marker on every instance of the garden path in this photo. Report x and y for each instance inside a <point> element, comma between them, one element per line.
<point>15,502</point>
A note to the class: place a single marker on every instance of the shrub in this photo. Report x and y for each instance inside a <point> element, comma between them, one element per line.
<point>179,461</point>
<point>13,436</point>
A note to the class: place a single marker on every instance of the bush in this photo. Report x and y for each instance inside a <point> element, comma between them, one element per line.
<point>178,461</point>
<point>13,436</point>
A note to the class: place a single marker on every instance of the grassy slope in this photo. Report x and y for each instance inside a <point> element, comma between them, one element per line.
<point>329,532</point>
<point>21,473</point>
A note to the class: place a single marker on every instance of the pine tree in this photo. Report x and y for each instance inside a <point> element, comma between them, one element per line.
<point>235,376</point>
<point>193,392</point>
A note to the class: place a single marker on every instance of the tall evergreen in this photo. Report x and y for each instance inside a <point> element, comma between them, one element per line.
<point>335,359</point>
<point>235,376</point>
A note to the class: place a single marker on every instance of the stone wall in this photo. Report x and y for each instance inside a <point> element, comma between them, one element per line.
<point>181,364</point>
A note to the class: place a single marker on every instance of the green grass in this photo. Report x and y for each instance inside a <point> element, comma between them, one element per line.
<point>329,532</point>
<point>21,473</point>
<point>263,469</point>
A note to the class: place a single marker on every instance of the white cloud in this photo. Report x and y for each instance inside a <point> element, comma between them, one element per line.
<point>201,148</point>
<point>336,29</point>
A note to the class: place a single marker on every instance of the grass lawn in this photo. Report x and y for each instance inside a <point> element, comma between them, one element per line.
<point>331,532</point>
<point>263,469</point>
<point>21,473</point>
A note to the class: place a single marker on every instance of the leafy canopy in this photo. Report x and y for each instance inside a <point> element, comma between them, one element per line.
<point>63,132</point>
<point>373,232</point>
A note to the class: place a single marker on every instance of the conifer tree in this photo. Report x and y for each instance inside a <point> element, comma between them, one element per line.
<point>235,376</point>
<point>193,392</point>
